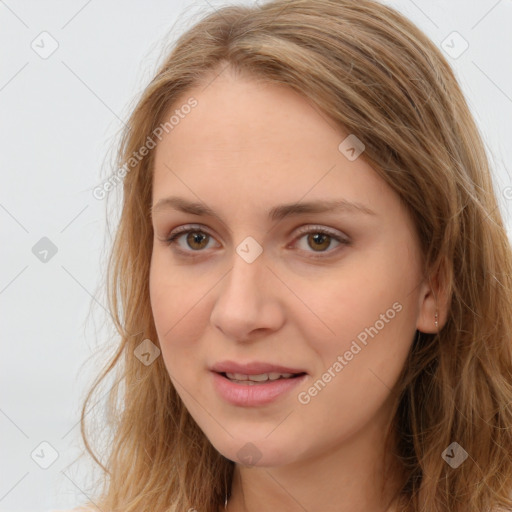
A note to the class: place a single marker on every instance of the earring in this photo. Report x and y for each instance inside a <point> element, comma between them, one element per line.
<point>435,320</point>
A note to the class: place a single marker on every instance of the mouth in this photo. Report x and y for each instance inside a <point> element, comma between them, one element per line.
<point>254,369</point>
<point>259,379</point>
<point>255,385</point>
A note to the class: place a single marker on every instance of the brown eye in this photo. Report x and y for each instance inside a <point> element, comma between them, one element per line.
<point>320,241</point>
<point>189,240</point>
<point>195,240</point>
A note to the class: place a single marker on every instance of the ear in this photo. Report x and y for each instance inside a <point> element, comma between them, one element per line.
<point>435,295</point>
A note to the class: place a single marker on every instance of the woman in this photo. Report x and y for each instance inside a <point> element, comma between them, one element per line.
<point>311,279</point>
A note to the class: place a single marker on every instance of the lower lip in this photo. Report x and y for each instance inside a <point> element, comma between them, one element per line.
<point>247,395</point>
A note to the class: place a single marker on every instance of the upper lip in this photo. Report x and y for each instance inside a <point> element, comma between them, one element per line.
<point>252,368</point>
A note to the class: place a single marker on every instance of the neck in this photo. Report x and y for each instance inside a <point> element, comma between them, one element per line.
<point>350,478</point>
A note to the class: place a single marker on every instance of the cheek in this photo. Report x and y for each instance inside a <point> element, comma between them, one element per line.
<point>372,315</point>
<point>366,308</point>
<point>162,293</point>
<point>166,306</point>
<point>178,312</point>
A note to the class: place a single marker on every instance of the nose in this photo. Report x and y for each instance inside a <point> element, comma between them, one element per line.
<point>248,303</point>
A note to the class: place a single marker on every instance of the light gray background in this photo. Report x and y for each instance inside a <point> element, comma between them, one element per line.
<point>59,118</point>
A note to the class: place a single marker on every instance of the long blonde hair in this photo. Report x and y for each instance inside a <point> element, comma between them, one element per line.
<point>378,76</point>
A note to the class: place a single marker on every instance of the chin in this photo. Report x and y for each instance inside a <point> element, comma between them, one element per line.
<point>257,452</point>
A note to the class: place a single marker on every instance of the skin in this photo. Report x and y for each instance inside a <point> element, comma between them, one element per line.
<point>244,149</point>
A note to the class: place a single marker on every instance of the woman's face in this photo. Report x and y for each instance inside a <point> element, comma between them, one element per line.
<point>275,279</point>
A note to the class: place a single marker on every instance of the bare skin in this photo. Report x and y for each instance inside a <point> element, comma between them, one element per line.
<point>244,149</point>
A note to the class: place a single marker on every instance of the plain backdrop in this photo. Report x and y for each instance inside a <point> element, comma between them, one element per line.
<point>69,73</point>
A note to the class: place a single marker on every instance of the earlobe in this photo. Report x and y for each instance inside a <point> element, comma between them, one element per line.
<point>433,307</point>
<point>429,318</point>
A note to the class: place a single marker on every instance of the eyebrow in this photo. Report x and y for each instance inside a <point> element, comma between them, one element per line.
<point>276,213</point>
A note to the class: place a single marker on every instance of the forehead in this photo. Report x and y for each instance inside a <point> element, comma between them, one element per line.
<point>237,114</point>
<point>260,141</point>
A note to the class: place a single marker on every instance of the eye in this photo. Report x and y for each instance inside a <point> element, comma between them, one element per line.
<point>195,239</point>
<point>320,239</point>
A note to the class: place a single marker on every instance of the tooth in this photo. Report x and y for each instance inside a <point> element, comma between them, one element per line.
<point>262,377</point>
<point>236,376</point>
<point>258,378</point>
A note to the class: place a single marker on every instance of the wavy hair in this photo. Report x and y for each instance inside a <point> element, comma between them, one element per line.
<point>373,73</point>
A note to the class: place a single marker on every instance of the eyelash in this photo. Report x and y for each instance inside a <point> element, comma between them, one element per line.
<point>184,230</point>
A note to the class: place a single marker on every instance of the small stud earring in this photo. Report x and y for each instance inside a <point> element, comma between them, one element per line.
<point>436,321</point>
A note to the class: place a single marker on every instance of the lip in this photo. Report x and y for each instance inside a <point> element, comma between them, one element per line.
<point>252,368</point>
<point>246,395</point>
